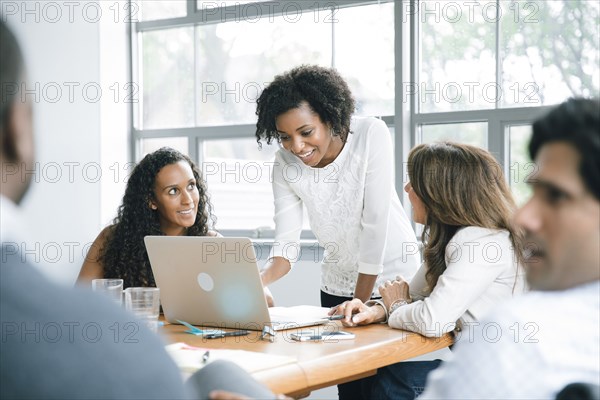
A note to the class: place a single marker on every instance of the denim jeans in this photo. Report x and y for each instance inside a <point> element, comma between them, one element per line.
<point>354,390</point>
<point>401,381</point>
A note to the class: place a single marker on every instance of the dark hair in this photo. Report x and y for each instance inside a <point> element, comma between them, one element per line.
<point>577,122</point>
<point>323,89</point>
<point>11,73</point>
<point>124,255</point>
<point>460,185</point>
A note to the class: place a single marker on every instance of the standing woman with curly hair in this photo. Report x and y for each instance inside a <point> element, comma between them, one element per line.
<point>165,195</point>
<point>341,169</point>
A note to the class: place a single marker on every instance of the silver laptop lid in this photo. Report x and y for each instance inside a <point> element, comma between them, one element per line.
<point>208,281</point>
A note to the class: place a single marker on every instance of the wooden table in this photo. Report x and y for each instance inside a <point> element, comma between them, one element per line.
<point>321,364</point>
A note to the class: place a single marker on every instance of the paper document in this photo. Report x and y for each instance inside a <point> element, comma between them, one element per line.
<point>298,313</point>
<point>189,359</point>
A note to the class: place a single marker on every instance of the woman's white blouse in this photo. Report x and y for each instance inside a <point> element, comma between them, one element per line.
<point>482,271</point>
<point>353,210</point>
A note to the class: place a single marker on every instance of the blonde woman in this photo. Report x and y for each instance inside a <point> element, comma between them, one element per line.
<point>472,255</point>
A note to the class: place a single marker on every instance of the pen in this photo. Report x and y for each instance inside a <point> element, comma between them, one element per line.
<point>205,357</point>
<point>224,334</point>
<point>336,317</point>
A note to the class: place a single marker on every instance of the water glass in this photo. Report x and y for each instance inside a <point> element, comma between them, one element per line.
<point>112,288</point>
<point>144,302</point>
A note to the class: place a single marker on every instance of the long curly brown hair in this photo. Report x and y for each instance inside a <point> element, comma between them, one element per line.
<point>124,255</point>
<point>460,186</point>
<point>325,91</point>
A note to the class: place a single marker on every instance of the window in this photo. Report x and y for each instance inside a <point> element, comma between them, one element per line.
<point>364,55</point>
<point>483,71</point>
<point>456,58</point>
<point>520,167</point>
<point>167,66</point>
<point>201,72</point>
<point>153,10</point>
<point>475,72</point>
<point>152,144</point>
<point>548,51</point>
<point>239,179</point>
<point>247,62</point>
<point>473,133</point>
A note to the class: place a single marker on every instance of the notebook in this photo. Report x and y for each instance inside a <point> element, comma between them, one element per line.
<point>215,281</point>
<point>189,358</point>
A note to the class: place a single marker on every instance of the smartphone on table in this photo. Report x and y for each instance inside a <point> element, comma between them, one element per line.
<point>325,336</point>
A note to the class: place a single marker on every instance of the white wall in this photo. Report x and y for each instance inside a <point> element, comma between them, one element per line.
<point>65,46</point>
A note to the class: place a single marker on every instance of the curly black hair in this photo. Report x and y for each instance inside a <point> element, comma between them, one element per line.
<point>124,255</point>
<point>323,89</point>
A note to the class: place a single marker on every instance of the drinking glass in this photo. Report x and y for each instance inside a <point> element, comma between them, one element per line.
<point>144,302</point>
<point>113,288</point>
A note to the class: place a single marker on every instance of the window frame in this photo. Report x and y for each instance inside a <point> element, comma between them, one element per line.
<point>406,120</point>
<point>198,135</point>
<point>410,119</point>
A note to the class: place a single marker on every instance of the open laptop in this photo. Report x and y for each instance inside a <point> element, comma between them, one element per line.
<point>215,281</point>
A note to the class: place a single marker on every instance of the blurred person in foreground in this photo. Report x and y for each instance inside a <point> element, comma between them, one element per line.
<point>65,343</point>
<point>536,345</point>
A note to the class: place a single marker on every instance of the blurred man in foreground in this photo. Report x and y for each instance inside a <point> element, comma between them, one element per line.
<point>533,347</point>
<point>72,344</point>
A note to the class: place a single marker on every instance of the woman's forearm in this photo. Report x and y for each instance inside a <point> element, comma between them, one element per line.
<point>364,286</point>
<point>274,270</point>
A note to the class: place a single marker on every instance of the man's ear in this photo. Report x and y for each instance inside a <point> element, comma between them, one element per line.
<point>18,148</point>
<point>8,137</point>
<point>17,134</point>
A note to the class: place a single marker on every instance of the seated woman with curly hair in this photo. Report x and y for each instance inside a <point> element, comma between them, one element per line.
<point>472,257</point>
<point>165,195</point>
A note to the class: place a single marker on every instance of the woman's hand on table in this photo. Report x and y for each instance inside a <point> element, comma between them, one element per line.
<point>357,313</point>
<point>394,291</point>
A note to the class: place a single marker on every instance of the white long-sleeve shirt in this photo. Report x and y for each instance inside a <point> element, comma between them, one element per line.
<point>353,210</point>
<point>481,272</point>
<point>528,348</point>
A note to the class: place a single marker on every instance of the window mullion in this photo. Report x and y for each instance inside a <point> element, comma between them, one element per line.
<point>135,76</point>
<point>234,12</point>
<point>191,7</point>
<point>404,71</point>
<point>332,44</point>
<point>200,153</point>
<point>193,153</point>
<point>498,59</point>
<point>195,72</point>
<point>495,140</point>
